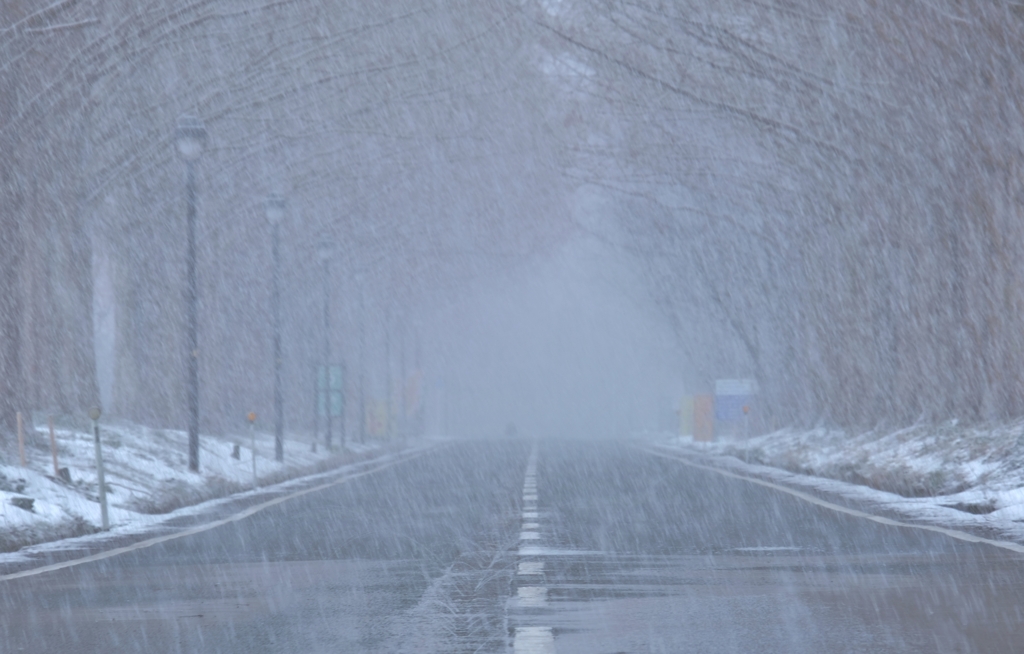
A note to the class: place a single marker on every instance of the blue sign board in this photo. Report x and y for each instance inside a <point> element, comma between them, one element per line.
<point>732,396</point>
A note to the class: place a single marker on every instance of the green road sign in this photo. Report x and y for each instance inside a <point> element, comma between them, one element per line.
<point>336,390</point>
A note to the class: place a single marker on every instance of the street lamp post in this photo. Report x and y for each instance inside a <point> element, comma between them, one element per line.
<point>275,214</point>
<point>387,372</point>
<point>403,376</point>
<point>324,252</point>
<point>362,359</point>
<point>190,137</point>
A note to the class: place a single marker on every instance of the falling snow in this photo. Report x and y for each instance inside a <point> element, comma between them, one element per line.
<point>398,320</point>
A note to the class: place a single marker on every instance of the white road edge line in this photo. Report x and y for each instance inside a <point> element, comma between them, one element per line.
<point>99,556</point>
<point>952,533</point>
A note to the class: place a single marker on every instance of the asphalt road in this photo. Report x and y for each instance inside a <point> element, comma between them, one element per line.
<point>506,546</point>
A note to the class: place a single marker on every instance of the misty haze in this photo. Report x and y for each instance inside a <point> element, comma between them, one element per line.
<point>523,326</point>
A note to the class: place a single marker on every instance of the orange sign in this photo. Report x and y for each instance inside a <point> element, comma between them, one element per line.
<point>704,418</point>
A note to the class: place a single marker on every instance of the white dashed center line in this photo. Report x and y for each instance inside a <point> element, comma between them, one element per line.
<point>532,596</point>
<point>534,640</point>
<point>531,639</point>
<point>531,568</point>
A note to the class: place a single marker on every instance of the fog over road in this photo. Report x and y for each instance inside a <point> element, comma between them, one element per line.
<point>567,546</point>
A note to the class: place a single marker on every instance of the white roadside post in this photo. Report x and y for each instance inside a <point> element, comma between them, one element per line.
<point>252,434</point>
<point>21,439</point>
<point>94,414</point>
<point>53,451</point>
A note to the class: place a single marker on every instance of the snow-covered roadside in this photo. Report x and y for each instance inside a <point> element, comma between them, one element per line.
<point>967,477</point>
<point>146,473</point>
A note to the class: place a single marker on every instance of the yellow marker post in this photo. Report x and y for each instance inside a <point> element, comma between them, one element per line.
<point>686,415</point>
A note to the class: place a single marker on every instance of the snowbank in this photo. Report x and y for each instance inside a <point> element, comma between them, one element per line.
<point>945,474</point>
<point>146,473</point>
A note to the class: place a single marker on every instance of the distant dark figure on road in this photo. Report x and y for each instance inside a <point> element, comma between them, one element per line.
<point>511,431</point>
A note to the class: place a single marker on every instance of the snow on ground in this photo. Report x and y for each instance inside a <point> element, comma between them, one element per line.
<point>970,477</point>
<point>146,474</point>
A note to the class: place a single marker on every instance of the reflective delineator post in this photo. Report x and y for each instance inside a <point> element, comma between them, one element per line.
<point>53,451</point>
<point>94,414</point>
<point>252,434</point>
<point>21,439</point>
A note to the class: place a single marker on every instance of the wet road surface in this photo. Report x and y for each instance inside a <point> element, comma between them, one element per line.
<point>510,546</point>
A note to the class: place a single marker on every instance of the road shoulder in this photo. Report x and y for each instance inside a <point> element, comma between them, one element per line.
<point>852,499</point>
<point>182,522</point>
